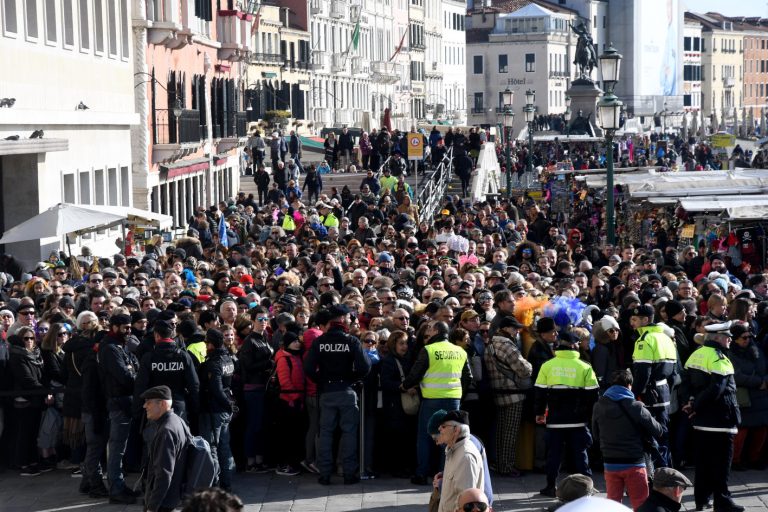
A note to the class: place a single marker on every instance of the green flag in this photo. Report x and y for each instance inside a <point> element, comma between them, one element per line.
<point>356,35</point>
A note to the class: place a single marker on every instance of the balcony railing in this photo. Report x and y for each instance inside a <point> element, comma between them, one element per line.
<point>318,7</point>
<point>168,129</point>
<point>385,72</point>
<point>319,60</point>
<point>297,64</point>
<point>338,9</point>
<point>339,63</point>
<point>266,58</point>
<point>729,81</point>
<point>558,74</point>
<point>477,110</point>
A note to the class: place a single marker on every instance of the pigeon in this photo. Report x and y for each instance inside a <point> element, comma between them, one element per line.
<point>12,137</point>
<point>81,106</point>
<point>37,134</point>
<point>7,102</point>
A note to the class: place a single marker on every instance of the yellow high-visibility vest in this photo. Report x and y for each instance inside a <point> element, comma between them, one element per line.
<point>443,377</point>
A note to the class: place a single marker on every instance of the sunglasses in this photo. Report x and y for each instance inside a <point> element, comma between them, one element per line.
<point>68,294</point>
<point>26,313</point>
<point>96,281</point>
<point>28,338</point>
<point>262,318</point>
<point>475,505</point>
<point>484,331</point>
<point>370,342</point>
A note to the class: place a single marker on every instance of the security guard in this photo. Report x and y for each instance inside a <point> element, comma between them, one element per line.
<point>710,387</point>
<point>442,372</point>
<point>566,390</point>
<point>327,217</point>
<point>171,366</point>
<point>654,364</point>
<point>336,362</point>
<point>217,404</point>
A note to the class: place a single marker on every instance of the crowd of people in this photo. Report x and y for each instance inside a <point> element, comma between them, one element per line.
<point>278,323</point>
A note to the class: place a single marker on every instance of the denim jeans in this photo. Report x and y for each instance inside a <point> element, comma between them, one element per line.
<point>95,444</point>
<point>575,441</point>
<point>338,408</point>
<point>214,428</point>
<point>254,423</point>
<point>425,445</point>
<point>119,428</point>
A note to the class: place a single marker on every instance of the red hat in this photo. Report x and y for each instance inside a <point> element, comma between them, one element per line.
<point>246,279</point>
<point>237,291</point>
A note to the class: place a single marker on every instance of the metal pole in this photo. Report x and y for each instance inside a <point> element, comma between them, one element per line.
<point>609,173</point>
<point>416,172</point>
<point>508,140</point>
<point>530,148</point>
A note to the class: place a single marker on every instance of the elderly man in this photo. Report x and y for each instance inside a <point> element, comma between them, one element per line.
<point>463,461</point>
<point>473,500</point>
<point>162,486</point>
<point>667,494</point>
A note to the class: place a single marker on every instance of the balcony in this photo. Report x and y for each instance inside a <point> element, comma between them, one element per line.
<point>233,30</point>
<point>274,59</point>
<point>234,133</point>
<point>554,75</point>
<point>320,60</point>
<point>729,81</point>
<point>338,63</point>
<point>418,45</point>
<point>173,137</point>
<point>477,110</point>
<point>322,115</point>
<point>318,7</point>
<point>339,9</point>
<point>164,24</point>
<point>433,70</point>
<point>385,72</point>
<point>343,116</point>
<point>297,65</point>
<point>358,65</point>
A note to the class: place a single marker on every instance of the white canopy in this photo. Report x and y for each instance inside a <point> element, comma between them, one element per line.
<point>747,212</point>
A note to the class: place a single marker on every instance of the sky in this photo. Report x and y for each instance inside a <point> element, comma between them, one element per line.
<point>729,7</point>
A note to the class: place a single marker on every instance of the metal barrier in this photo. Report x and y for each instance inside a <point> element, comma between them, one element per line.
<point>434,188</point>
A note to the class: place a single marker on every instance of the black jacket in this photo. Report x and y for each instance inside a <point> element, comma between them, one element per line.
<point>336,361</point>
<point>76,350</point>
<point>54,370</point>
<point>255,356</point>
<point>27,371</point>
<point>167,461</point>
<point>170,366</point>
<point>216,380</point>
<point>92,398</point>
<point>117,369</point>
<point>658,502</point>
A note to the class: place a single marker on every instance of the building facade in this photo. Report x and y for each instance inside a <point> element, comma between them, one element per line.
<point>692,65</point>
<point>51,52</point>
<point>755,93</point>
<point>189,62</point>
<point>452,64</point>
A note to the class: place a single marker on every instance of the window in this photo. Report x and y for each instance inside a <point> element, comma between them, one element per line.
<point>478,108</point>
<point>50,21</point>
<point>112,186</point>
<point>68,30</point>
<point>687,44</point>
<point>85,32</point>
<point>124,17</point>
<point>686,100</point>
<point>98,184</point>
<point>477,61</point>
<point>112,27</point>
<point>69,189</point>
<point>530,62</point>
<point>85,188</point>
<point>10,23</point>
<point>98,25</point>
<point>503,67</point>
<point>30,16</point>
<point>696,44</point>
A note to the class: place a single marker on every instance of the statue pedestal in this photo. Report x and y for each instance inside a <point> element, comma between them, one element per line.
<point>584,94</point>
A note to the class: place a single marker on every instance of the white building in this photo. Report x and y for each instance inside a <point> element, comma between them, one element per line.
<point>692,48</point>
<point>452,63</point>
<point>55,57</point>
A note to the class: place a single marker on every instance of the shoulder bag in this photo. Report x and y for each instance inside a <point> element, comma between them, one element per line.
<point>409,402</point>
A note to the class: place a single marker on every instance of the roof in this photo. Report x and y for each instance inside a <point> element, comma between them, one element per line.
<point>531,10</point>
<point>509,6</point>
<point>477,35</point>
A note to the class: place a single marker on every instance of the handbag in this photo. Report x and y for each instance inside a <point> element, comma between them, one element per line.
<point>409,402</point>
<point>742,397</point>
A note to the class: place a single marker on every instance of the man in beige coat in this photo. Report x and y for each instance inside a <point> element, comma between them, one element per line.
<point>463,462</point>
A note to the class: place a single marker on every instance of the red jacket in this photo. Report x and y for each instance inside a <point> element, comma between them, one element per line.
<point>309,337</point>
<point>291,376</point>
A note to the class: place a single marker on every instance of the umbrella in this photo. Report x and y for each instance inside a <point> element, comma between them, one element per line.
<point>59,220</point>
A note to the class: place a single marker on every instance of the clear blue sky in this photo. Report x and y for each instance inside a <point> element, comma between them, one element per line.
<point>729,7</point>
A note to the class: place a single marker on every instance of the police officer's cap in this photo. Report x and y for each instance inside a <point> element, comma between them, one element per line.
<point>566,339</point>
<point>157,393</point>
<point>644,310</point>
<point>668,477</point>
<point>721,328</point>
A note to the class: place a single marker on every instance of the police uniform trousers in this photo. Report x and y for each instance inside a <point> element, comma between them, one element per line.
<point>662,457</point>
<point>714,453</point>
<point>574,442</point>
<point>338,408</point>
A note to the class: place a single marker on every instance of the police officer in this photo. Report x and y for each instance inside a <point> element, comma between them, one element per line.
<point>218,404</point>
<point>710,387</point>
<point>654,363</point>
<point>336,362</point>
<point>566,389</point>
<point>442,372</point>
<point>169,365</point>
<point>117,371</point>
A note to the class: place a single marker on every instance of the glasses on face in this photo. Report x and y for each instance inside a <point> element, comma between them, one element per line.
<point>484,332</point>
<point>262,318</point>
<point>95,281</point>
<point>28,338</point>
<point>370,341</point>
<point>56,287</point>
<point>475,505</point>
<point>61,273</point>
<point>26,313</point>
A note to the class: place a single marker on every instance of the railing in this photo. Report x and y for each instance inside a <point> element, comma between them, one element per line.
<point>558,74</point>
<point>241,124</point>
<point>319,60</point>
<point>297,64</point>
<point>477,110</point>
<point>266,58</point>
<point>339,63</point>
<point>163,11</point>
<point>168,129</point>
<point>338,9</point>
<point>217,131</point>
<point>434,188</point>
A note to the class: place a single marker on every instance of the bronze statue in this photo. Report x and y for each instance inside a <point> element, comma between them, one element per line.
<point>586,54</point>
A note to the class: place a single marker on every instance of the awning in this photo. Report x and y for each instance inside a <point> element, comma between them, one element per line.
<point>185,167</point>
<point>135,216</point>
<point>747,213</point>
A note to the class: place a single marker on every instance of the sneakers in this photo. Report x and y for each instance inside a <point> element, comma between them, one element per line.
<point>76,472</point>
<point>368,475</point>
<point>65,464</point>
<point>31,470</point>
<point>46,466</point>
<point>124,498</point>
<point>98,491</point>
<point>549,491</point>
<point>310,467</point>
<point>287,470</point>
<point>258,467</point>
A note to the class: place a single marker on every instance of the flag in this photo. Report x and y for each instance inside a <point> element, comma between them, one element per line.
<point>356,35</point>
<point>223,240</point>
<point>400,46</point>
<point>256,20</point>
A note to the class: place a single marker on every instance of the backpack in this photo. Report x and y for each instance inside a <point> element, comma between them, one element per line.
<point>201,470</point>
<point>272,388</point>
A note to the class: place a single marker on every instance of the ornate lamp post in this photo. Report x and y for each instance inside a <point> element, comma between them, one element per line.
<point>609,113</point>
<point>508,119</point>
<point>530,112</point>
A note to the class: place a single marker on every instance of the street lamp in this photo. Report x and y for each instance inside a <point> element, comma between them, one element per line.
<point>530,113</point>
<point>609,113</point>
<point>508,119</point>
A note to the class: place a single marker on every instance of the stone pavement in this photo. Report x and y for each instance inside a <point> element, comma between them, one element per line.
<point>57,491</point>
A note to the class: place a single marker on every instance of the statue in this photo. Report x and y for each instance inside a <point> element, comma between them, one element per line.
<point>581,125</point>
<point>586,55</point>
